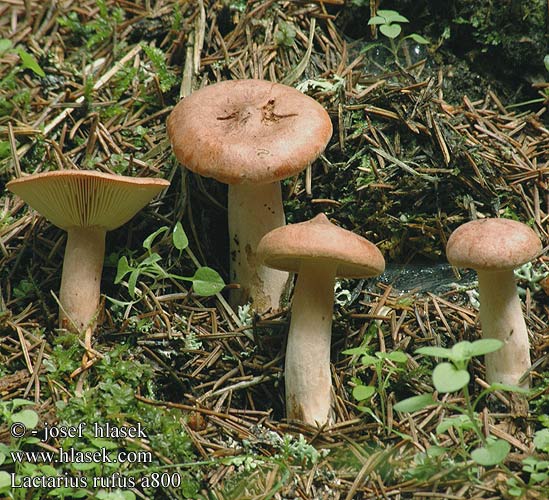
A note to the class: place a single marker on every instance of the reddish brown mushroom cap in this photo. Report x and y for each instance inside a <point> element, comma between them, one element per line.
<point>318,239</point>
<point>248,131</point>
<point>78,198</point>
<point>492,245</point>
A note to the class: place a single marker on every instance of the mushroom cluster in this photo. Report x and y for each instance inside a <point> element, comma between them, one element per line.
<point>85,204</point>
<point>250,134</point>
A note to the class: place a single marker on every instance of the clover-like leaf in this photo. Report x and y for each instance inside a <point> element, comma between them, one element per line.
<point>29,418</point>
<point>206,282</point>
<point>493,453</point>
<point>415,403</point>
<point>390,30</point>
<point>362,392</point>
<point>179,238</point>
<point>541,440</point>
<point>448,378</point>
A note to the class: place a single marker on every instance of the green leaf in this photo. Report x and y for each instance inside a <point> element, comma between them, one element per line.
<point>368,360</point>
<point>392,16</point>
<point>5,481</point>
<point>362,392</point>
<point>5,45</point>
<point>546,62</point>
<point>179,238</point>
<point>153,258</point>
<point>29,62</point>
<point>377,20</point>
<point>390,30</point>
<point>396,356</point>
<point>122,269</point>
<point>5,150</point>
<point>147,244</point>
<point>29,418</point>
<point>2,458</point>
<point>448,378</point>
<point>482,346</point>
<point>132,282</point>
<point>436,352</point>
<point>418,39</point>
<point>206,282</point>
<point>415,403</point>
<point>492,454</point>
<point>462,422</point>
<point>541,440</point>
<point>356,351</point>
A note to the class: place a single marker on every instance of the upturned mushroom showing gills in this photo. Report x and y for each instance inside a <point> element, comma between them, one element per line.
<point>250,134</point>
<point>319,252</point>
<point>86,205</point>
<point>494,247</point>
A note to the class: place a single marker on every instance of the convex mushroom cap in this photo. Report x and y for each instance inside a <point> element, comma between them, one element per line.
<point>492,245</point>
<point>286,248</point>
<point>248,131</point>
<point>75,198</point>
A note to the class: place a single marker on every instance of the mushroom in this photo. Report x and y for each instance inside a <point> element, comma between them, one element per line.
<point>319,251</point>
<point>86,205</point>
<point>250,134</point>
<point>494,247</point>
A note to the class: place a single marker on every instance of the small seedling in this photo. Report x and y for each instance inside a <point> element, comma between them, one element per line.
<point>206,281</point>
<point>389,23</point>
<point>385,365</point>
<point>19,419</point>
<point>536,469</point>
<point>452,376</point>
<point>27,60</point>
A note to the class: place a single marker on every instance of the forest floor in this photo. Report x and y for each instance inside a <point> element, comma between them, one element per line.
<point>89,85</point>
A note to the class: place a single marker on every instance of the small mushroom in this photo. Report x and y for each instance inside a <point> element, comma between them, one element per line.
<point>319,252</point>
<point>86,205</point>
<point>250,134</point>
<point>494,247</point>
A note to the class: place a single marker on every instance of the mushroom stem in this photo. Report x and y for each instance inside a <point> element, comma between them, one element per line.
<point>81,278</point>
<point>501,318</point>
<point>307,370</point>
<point>254,210</point>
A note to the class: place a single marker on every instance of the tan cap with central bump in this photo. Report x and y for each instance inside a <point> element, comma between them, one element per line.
<point>87,205</point>
<point>248,131</point>
<point>318,239</point>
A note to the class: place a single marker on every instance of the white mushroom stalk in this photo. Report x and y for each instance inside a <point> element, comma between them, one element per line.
<point>493,248</point>
<point>264,203</point>
<point>307,370</point>
<point>501,318</point>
